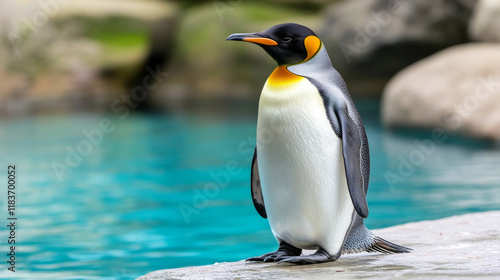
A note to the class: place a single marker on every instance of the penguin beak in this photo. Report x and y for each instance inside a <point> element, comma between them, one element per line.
<point>252,38</point>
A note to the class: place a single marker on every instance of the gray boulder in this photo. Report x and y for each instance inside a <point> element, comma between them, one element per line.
<point>485,22</point>
<point>457,90</point>
<point>371,40</point>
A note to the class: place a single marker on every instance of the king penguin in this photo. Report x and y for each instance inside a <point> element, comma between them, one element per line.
<point>311,164</point>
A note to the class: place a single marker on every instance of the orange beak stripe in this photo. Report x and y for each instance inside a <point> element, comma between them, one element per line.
<point>261,41</point>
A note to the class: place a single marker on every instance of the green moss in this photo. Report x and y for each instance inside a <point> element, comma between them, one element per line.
<point>114,33</point>
<point>118,33</point>
<point>119,41</point>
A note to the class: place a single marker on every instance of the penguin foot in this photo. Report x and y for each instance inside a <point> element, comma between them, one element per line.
<point>320,256</point>
<point>284,251</point>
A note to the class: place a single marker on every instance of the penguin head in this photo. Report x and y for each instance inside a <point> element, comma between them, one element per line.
<point>287,43</point>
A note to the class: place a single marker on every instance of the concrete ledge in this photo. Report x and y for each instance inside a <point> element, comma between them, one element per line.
<point>466,246</point>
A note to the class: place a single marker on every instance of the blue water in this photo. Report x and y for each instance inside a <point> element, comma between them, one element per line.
<point>117,213</point>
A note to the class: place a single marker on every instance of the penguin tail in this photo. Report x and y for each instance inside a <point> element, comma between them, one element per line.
<point>383,246</point>
<point>362,239</point>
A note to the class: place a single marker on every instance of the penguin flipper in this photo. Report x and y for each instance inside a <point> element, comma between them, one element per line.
<point>257,197</point>
<point>351,144</point>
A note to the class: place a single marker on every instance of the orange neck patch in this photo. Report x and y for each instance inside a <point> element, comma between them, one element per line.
<point>282,77</point>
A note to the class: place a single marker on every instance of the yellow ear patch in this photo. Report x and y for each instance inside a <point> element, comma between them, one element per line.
<point>282,77</point>
<point>313,45</point>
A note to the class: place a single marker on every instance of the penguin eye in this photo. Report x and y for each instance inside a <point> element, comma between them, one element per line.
<point>287,39</point>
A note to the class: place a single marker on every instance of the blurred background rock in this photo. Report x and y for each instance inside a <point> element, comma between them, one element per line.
<point>67,55</point>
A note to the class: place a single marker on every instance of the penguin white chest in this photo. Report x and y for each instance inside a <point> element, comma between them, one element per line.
<point>301,168</point>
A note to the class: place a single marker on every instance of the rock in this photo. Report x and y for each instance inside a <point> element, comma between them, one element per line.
<point>149,10</point>
<point>92,51</point>
<point>485,21</point>
<point>305,4</point>
<point>371,40</point>
<point>459,246</point>
<point>457,90</point>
